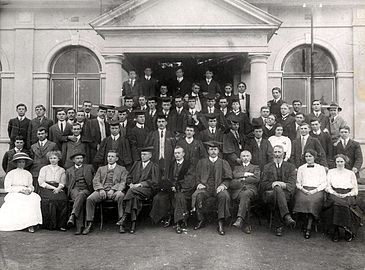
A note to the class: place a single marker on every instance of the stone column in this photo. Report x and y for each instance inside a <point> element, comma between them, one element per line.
<point>113,82</point>
<point>258,82</point>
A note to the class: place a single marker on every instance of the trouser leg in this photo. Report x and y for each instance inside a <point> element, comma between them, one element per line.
<point>119,199</point>
<point>244,200</point>
<point>91,202</point>
<point>224,202</point>
<point>281,201</point>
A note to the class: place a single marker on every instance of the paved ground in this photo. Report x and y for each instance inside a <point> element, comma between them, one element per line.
<point>153,247</point>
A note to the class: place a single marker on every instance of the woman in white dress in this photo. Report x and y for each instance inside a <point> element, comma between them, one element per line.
<point>22,207</point>
<point>279,139</point>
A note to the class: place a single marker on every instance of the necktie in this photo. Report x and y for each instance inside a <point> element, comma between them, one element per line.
<point>344,143</point>
<point>303,144</point>
<point>161,134</point>
<point>236,135</point>
<point>61,127</point>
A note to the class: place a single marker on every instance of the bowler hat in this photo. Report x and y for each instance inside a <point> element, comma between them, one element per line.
<point>77,153</point>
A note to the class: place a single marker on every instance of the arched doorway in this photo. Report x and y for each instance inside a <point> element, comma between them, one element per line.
<point>297,72</point>
<point>75,77</point>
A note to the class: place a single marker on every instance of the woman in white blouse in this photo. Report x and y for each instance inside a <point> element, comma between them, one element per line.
<point>342,189</point>
<point>52,180</point>
<point>311,182</point>
<point>22,209</point>
<point>279,139</point>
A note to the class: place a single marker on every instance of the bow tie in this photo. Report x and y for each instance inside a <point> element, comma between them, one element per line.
<point>310,166</point>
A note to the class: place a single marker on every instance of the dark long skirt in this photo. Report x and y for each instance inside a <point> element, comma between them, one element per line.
<point>338,213</point>
<point>54,209</point>
<point>309,204</point>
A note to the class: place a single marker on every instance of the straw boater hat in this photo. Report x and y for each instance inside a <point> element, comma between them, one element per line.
<point>334,105</point>
<point>22,156</point>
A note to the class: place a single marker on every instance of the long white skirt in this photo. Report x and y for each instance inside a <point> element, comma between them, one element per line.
<point>20,211</point>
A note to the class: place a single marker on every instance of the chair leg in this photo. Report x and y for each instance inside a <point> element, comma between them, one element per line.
<point>101,216</point>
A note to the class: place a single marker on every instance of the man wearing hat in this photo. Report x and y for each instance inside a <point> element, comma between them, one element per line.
<point>109,183</point>
<point>210,108</point>
<point>163,143</point>
<point>336,122</point>
<point>117,143</point>
<point>79,184</point>
<point>110,112</point>
<point>97,130</point>
<point>233,142</point>
<point>212,133</point>
<point>138,134</point>
<point>213,178</point>
<point>142,180</point>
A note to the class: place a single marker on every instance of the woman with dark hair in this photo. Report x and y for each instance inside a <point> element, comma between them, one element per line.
<point>52,179</point>
<point>340,205</point>
<point>21,209</point>
<point>311,182</point>
<point>279,139</point>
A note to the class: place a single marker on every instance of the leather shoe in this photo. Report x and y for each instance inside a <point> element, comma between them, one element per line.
<point>133,227</point>
<point>247,229</point>
<point>167,222</point>
<point>122,220</point>
<point>71,221</point>
<point>78,231</point>
<point>221,228</point>
<point>178,229</point>
<point>121,229</point>
<point>31,229</point>
<point>307,234</point>
<point>199,225</point>
<point>87,229</point>
<point>238,223</point>
<point>279,231</point>
<point>289,221</point>
<point>349,236</point>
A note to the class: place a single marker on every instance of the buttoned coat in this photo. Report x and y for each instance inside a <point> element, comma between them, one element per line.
<point>352,151</point>
<point>33,128</point>
<point>297,157</point>
<point>55,135</point>
<point>223,172</point>
<point>88,172</point>
<point>250,182</point>
<point>39,157</point>
<point>18,128</point>
<point>119,178</point>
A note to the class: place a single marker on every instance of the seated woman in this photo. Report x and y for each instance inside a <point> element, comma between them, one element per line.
<point>22,207</point>
<point>342,189</point>
<point>311,182</point>
<point>52,179</point>
<point>279,139</point>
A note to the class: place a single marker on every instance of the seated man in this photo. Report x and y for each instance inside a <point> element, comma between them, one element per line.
<point>79,186</point>
<point>108,183</point>
<point>278,186</point>
<point>212,177</point>
<point>175,190</point>
<point>243,188</point>
<point>142,180</point>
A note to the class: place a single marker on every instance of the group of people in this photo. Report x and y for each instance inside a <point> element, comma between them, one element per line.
<point>187,149</point>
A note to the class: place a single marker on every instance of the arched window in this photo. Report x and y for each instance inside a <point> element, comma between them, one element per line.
<point>297,73</point>
<point>75,77</point>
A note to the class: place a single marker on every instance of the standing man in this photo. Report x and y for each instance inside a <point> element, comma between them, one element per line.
<point>151,114</point>
<point>142,181</point>
<point>110,112</point>
<point>210,109</point>
<point>324,139</point>
<point>244,188</point>
<point>213,178</point>
<point>317,113</point>
<point>39,121</point>
<point>180,85</point>
<point>148,85</point>
<point>108,183</point>
<point>264,113</point>
<point>336,122</point>
<point>81,120</point>
<point>61,131</point>
<point>71,115</point>
<point>212,133</point>
<point>243,98</point>
<point>19,125</point>
<point>276,102</point>
<point>193,117</point>
<point>209,85</point>
<point>131,87</point>
<point>79,182</point>
<point>286,120</point>
<point>87,107</point>
<point>278,186</point>
<point>138,134</point>
<point>233,143</point>
<point>297,107</point>
<point>124,123</point>
<point>177,117</point>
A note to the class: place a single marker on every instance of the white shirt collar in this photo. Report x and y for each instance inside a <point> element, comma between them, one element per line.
<point>345,141</point>
<point>317,132</point>
<point>180,79</point>
<point>208,80</point>
<point>139,125</point>
<point>144,164</point>
<point>99,119</point>
<point>305,137</point>
<point>21,118</point>
<point>192,111</point>
<point>245,164</point>
<point>213,159</point>
<point>115,137</point>
<point>112,167</point>
<point>180,162</point>
<point>147,77</point>
<point>189,140</point>
<point>43,142</point>
<point>78,167</point>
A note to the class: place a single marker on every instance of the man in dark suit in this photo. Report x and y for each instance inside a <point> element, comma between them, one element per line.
<point>60,132</point>
<point>233,143</point>
<point>317,113</point>
<point>224,105</point>
<point>175,191</point>
<point>209,85</point>
<point>87,107</point>
<point>304,143</point>
<point>243,98</point>
<point>244,121</point>
<point>210,108</point>
<point>276,102</point>
<point>351,149</point>
<point>142,180</point>
<point>179,85</point>
<point>19,125</point>
<point>166,111</point>
<point>79,184</point>
<point>116,143</point>
<point>124,123</point>
<point>297,107</point>
<point>142,103</point>
<point>244,188</point>
<point>213,178</point>
<point>294,128</point>
<point>163,143</point>
<point>324,138</point>
<point>193,117</point>
<point>177,116</point>
<point>264,113</point>
<point>278,186</point>
<point>228,93</point>
<point>151,114</point>
<point>286,120</point>
<point>138,134</point>
<point>148,85</point>
<point>212,133</point>
<point>131,86</point>
<point>260,148</point>
<point>97,130</point>
<point>39,121</point>
<point>269,126</point>
<point>81,120</point>
<point>39,152</point>
<point>8,156</point>
<point>109,183</point>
